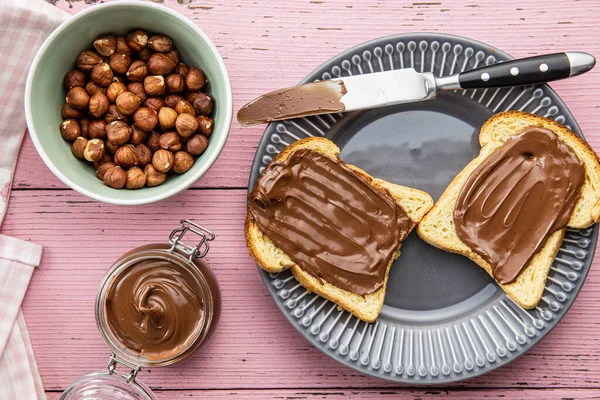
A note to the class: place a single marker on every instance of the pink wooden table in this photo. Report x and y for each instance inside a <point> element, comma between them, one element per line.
<point>256,353</point>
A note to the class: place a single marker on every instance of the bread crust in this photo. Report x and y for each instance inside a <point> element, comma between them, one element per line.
<point>272,259</point>
<point>437,227</point>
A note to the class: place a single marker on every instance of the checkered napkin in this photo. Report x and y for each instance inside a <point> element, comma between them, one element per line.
<point>24,24</point>
<point>19,377</point>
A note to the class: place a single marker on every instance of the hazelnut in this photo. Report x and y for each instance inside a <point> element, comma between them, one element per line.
<point>127,103</point>
<point>137,71</point>
<point>191,96</point>
<point>145,54</point>
<point>68,111</point>
<point>97,129</point>
<point>185,107</point>
<point>115,177</point>
<point>113,114</point>
<point>160,43</point>
<point>195,79</point>
<point>137,40</point>
<point>84,124</point>
<point>137,88</point>
<point>91,88</point>
<point>135,178</point>
<point>137,135</point>
<point>106,45</point>
<point>125,156</point>
<point>153,177</point>
<point>122,46</point>
<point>186,125</point>
<point>111,148</point>
<point>170,141</point>
<point>167,117</point>
<point>119,63</point>
<point>162,160</point>
<point>160,64</point>
<point>102,75</point>
<point>153,141</point>
<point>98,104</point>
<point>203,103</point>
<point>171,100</point>
<point>106,159</point>
<point>196,145</point>
<point>175,83</point>
<point>182,162</point>
<point>174,55</point>
<point>78,97</point>
<point>205,125</point>
<point>78,147</point>
<point>154,85</point>
<point>115,89</point>
<point>73,79</point>
<point>94,150</point>
<point>118,133</point>
<point>182,69</point>
<point>144,155</point>
<point>70,130</point>
<point>101,170</point>
<point>155,103</point>
<point>145,118</point>
<point>87,60</point>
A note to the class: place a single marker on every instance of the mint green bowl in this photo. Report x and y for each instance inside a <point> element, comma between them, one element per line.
<point>45,94</point>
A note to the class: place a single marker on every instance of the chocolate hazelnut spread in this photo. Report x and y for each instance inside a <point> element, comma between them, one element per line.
<point>155,308</point>
<point>329,220</point>
<point>516,198</point>
<point>295,102</point>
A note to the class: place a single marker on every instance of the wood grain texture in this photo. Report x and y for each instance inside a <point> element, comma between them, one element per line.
<point>287,394</point>
<point>267,45</point>
<point>255,346</point>
<point>256,353</point>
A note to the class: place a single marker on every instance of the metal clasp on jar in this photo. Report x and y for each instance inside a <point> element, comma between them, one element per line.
<point>112,368</point>
<point>198,251</point>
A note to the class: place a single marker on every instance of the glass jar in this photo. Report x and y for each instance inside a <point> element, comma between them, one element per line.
<point>189,260</point>
<point>102,385</point>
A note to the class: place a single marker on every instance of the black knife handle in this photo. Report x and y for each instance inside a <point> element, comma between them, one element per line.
<point>527,71</point>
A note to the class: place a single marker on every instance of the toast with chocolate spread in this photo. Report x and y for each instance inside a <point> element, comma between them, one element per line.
<point>508,209</point>
<point>336,227</point>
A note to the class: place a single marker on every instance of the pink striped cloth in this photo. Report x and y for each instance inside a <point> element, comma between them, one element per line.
<point>24,24</point>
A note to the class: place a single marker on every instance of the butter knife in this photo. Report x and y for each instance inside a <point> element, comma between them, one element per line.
<point>380,89</point>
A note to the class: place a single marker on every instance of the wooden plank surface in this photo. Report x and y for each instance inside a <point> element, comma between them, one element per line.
<point>255,346</point>
<point>272,44</point>
<point>546,394</point>
<point>256,353</point>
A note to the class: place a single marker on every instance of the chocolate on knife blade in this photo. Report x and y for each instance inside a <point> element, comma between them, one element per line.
<point>294,102</point>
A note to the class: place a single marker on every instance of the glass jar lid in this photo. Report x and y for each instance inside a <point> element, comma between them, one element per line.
<point>108,385</point>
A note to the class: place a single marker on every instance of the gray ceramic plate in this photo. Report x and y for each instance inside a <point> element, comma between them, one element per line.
<point>444,319</point>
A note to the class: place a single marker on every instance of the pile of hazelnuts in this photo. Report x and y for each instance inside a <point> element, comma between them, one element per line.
<point>135,110</point>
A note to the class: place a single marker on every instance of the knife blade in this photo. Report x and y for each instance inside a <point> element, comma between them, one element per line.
<point>380,89</point>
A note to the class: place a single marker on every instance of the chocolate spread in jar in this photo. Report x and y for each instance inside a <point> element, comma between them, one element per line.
<point>330,221</point>
<point>155,308</point>
<point>515,199</point>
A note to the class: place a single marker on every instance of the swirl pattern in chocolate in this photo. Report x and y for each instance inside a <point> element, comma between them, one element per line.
<point>329,220</point>
<point>516,198</point>
<point>154,308</point>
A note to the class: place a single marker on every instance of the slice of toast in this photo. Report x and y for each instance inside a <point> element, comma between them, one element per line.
<point>437,227</point>
<point>273,259</point>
